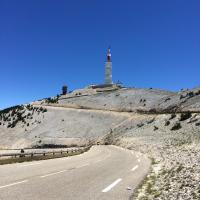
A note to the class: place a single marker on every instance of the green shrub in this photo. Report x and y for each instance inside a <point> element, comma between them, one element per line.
<point>176,126</point>
<point>44,110</point>
<point>172,116</point>
<point>51,100</point>
<point>167,123</point>
<point>185,116</point>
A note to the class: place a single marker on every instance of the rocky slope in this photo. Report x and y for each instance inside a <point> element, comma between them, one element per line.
<point>35,126</point>
<point>164,125</point>
<point>136,100</point>
<point>52,121</point>
<point>175,154</point>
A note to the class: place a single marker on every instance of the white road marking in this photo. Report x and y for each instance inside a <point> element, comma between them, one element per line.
<point>111,185</point>
<point>30,164</point>
<point>12,184</point>
<point>134,168</point>
<point>53,173</point>
<point>138,160</point>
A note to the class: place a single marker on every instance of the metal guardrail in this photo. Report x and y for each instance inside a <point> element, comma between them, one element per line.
<point>32,154</point>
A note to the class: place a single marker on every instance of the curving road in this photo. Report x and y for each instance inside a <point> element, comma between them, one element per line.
<point>103,173</point>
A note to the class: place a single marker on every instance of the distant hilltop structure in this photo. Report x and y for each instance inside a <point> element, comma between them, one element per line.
<point>64,89</point>
<point>108,83</point>
<point>108,68</point>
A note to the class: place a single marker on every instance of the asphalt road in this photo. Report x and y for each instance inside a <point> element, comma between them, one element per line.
<point>103,173</point>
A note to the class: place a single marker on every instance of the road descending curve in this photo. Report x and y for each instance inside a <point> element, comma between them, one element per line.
<point>102,173</point>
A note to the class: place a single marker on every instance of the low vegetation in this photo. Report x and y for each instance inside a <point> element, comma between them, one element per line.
<point>52,100</point>
<point>12,116</point>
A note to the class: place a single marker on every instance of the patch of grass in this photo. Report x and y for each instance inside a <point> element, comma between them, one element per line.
<point>153,161</point>
<point>147,190</point>
<point>140,125</point>
<point>52,100</point>
<point>185,116</point>
<point>176,126</point>
<point>179,168</point>
<point>13,109</point>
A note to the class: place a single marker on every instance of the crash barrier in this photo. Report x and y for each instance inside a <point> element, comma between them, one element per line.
<point>45,153</point>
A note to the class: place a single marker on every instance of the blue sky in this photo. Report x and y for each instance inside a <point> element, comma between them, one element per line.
<point>45,44</point>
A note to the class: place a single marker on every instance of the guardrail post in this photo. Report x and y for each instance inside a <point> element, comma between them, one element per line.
<point>22,155</point>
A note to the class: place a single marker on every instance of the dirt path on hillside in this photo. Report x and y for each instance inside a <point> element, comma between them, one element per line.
<point>65,107</point>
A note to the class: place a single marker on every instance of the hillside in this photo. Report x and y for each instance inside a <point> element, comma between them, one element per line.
<point>64,126</point>
<point>162,124</point>
<point>88,114</point>
<point>135,100</point>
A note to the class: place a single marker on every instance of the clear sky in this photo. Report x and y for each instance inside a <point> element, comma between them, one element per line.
<point>47,43</point>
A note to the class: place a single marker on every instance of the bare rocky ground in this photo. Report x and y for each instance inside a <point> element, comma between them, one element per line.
<point>135,100</point>
<point>175,156</point>
<point>58,126</point>
<point>164,125</point>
